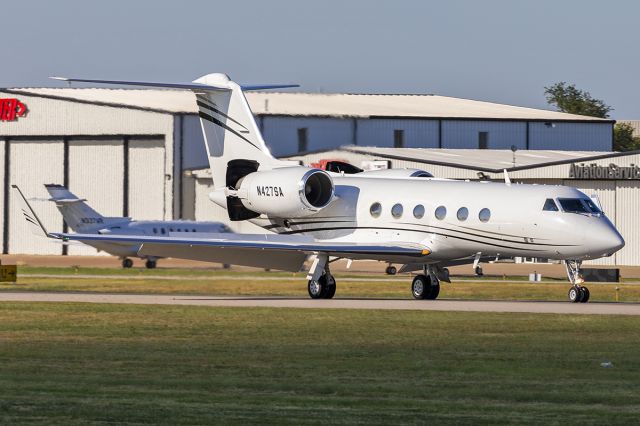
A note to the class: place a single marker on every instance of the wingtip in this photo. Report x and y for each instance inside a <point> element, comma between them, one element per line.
<point>59,78</point>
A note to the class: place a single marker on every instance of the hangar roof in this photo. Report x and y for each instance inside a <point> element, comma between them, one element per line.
<point>313,104</point>
<point>486,160</point>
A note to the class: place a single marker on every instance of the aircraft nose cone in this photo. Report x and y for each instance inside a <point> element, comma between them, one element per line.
<point>612,242</point>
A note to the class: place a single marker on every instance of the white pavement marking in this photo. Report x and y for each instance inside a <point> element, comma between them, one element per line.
<point>282,302</point>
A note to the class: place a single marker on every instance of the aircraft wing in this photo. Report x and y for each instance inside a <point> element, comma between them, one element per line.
<point>284,252</point>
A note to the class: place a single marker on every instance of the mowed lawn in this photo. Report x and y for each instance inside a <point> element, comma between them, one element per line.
<point>260,283</point>
<point>90,364</point>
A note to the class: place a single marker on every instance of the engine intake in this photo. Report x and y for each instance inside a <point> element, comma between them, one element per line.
<point>287,192</point>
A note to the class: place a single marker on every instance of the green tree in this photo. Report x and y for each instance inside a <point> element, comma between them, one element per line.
<point>623,139</point>
<point>567,98</point>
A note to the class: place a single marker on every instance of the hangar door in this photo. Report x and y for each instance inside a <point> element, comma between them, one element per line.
<point>147,180</point>
<point>33,163</point>
<point>628,222</point>
<point>96,173</point>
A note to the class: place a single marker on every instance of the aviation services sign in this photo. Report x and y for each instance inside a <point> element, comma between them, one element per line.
<point>612,171</point>
<point>11,109</point>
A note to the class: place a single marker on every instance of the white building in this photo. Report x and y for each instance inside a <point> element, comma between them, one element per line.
<point>140,153</point>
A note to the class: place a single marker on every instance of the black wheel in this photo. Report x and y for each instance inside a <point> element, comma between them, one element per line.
<point>127,263</point>
<point>420,287</point>
<point>585,295</point>
<point>479,271</point>
<point>150,264</point>
<point>575,295</point>
<point>434,291</point>
<point>316,288</point>
<point>329,284</point>
<point>391,270</point>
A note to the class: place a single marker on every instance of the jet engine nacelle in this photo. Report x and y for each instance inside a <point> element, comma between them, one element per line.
<point>288,192</point>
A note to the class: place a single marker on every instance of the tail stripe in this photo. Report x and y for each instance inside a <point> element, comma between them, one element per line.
<point>224,126</point>
<point>202,102</point>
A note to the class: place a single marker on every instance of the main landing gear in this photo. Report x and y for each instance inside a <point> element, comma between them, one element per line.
<point>425,286</point>
<point>150,263</point>
<point>321,283</point>
<point>391,270</point>
<point>127,263</point>
<point>577,293</point>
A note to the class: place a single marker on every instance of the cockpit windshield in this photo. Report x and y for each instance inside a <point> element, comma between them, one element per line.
<point>573,205</point>
<point>592,206</point>
<point>550,205</point>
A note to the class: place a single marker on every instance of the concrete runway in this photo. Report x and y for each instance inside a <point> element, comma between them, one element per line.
<point>289,302</point>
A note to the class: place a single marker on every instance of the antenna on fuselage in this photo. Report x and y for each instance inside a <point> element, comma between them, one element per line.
<point>506,178</point>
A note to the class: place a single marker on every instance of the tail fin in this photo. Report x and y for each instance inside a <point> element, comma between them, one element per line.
<point>76,213</point>
<point>233,141</point>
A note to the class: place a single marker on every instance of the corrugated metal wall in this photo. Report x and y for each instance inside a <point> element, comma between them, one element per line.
<point>96,173</point>
<point>501,134</point>
<point>628,221</point>
<point>570,136</point>
<point>281,133</point>
<point>147,179</point>
<point>379,132</point>
<point>33,164</point>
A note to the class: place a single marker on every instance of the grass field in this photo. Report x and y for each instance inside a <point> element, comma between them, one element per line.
<point>177,281</point>
<point>96,364</point>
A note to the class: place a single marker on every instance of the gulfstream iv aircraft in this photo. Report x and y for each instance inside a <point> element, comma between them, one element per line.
<point>81,218</point>
<point>423,223</point>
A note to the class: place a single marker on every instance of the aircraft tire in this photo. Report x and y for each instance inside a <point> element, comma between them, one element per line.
<point>575,295</point>
<point>391,270</point>
<point>585,294</point>
<point>150,264</point>
<point>316,289</point>
<point>329,286</point>
<point>420,287</point>
<point>127,263</point>
<point>434,291</point>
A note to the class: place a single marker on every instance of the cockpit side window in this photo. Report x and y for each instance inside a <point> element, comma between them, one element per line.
<point>550,205</point>
<point>573,205</point>
<point>592,206</point>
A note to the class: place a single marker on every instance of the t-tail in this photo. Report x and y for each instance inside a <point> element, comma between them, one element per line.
<point>233,141</point>
<point>77,214</point>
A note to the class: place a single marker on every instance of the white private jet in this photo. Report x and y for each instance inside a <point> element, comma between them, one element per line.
<point>423,223</point>
<point>81,218</point>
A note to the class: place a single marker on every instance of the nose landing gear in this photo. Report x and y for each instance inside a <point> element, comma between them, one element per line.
<point>321,283</point>
<point>577,293</point>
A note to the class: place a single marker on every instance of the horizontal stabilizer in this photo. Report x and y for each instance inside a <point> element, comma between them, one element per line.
<point>187,86</point>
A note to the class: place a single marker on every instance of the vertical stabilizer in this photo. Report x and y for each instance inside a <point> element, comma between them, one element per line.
<point>76,212</point>
<point>229,128</point>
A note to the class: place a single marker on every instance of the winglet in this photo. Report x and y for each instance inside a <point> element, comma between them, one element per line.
<point>37,228</point>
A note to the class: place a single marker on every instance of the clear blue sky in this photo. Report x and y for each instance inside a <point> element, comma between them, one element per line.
<point>502,51</point>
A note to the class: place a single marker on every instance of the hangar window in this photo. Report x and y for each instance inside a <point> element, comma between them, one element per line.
<point>396,210</point>
<point>441,212</point>
<point>398,138</point>
<point>418,211</point>
<point>483,140</point>
<point>463,213</point>
<point>573,205</point>
<point>303,144</point>
<point>484,215</point>
<point>375,210</point>
<point>550,205</point>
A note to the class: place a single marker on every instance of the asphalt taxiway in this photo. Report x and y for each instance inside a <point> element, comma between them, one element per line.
<point>592,308</point>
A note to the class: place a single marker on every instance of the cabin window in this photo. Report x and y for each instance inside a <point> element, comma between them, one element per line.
<point>418,211</point>
<point>162,231</point>
<point>550,206</point>
<point>376,209</point>
<point>155,230</point>
<point>463,213</point>
<point>441,212</point>
<point>170,229</point>
<point>484,215</point>
<point>396,211</point>
<point>573,205</point>
<point>193,230</point>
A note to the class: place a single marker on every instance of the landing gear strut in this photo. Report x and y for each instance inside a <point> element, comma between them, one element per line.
<point>127,263</point>
<point>577,293</point>
<point>321,283</point>
<point>425,286</point>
